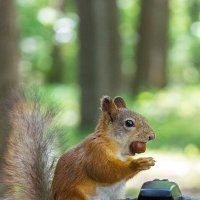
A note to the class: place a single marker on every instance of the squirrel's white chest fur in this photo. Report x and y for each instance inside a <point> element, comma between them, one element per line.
<point>115,191</point>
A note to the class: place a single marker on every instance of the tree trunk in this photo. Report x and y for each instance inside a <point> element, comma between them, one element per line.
<point>99,55</point>
<point>55,74</point>
<point>8,62</point>
<point>56,71</point>
<point>152,44</point>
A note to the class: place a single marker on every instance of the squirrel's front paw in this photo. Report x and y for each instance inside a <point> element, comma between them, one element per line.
<point>142,164</point>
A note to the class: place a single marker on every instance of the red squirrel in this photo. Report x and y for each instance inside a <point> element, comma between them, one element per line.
<point>95,169</point>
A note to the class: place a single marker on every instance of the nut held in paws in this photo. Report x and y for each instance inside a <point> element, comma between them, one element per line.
<point>137,147</point>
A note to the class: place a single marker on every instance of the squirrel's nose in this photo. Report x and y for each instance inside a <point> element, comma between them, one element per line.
<point>151,136</point>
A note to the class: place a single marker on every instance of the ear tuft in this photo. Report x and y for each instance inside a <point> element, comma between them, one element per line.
<point>106,103</point>
<point>119,102</point>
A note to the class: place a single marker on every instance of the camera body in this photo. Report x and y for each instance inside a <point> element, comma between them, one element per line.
<point>160,190</point>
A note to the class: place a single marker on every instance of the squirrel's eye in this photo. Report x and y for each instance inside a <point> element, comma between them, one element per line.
<point>129,123</point>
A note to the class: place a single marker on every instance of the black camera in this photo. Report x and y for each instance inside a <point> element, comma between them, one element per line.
<point>161,190</point>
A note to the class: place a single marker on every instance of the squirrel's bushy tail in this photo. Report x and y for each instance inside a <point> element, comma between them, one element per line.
<point>28,158</point>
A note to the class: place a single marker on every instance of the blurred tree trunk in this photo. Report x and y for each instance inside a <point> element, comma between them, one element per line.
<point>8,63</point>
<point>152,44</point>
<point>99,55</point>
<point>55,74</point>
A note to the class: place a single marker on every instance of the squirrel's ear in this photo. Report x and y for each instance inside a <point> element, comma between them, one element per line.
<point>108,107</point>
<point>106,103</point>
<point>119,102</point>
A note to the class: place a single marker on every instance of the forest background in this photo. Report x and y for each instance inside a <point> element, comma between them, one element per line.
<point>144,50</point>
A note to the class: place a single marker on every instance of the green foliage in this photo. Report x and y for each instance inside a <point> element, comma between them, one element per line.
<point>39,22</point>
<point>184,35</point>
